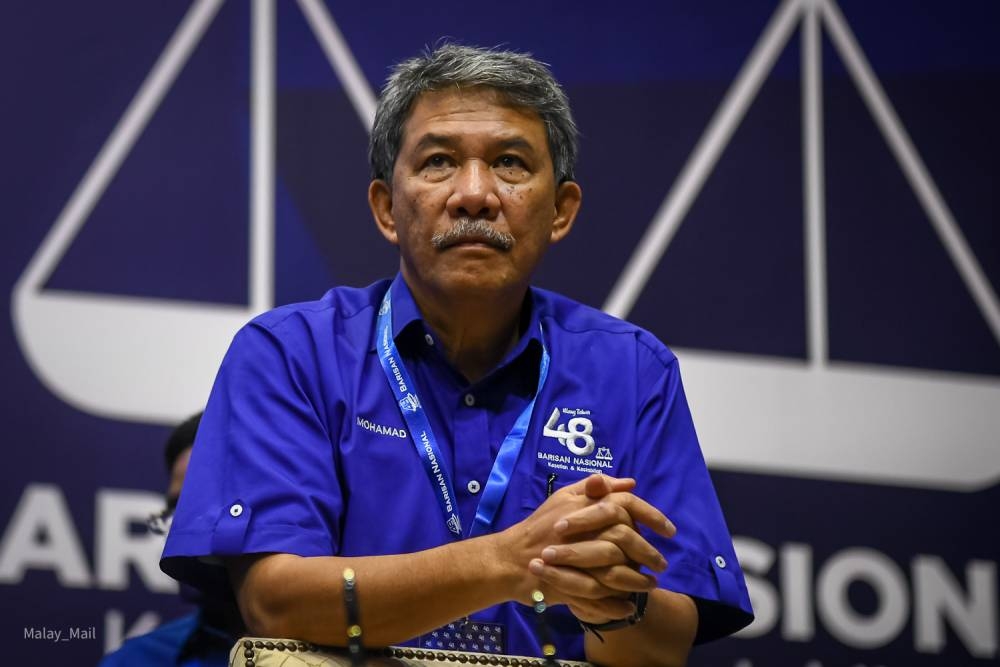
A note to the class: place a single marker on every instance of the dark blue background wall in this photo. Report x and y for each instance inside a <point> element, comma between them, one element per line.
<point>883,556</point>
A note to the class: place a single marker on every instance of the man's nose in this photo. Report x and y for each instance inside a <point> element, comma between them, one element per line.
<point>474,194</point>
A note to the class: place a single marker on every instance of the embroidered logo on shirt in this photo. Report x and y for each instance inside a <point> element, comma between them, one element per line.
<point>575,435</point>
<point>381,429</point>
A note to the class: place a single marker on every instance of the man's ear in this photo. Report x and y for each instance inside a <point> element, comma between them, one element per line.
<point>568,199</point>
<point>380,202</point>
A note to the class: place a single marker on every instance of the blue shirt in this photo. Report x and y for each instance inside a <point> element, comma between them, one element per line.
<point>303,449</point>
<point>183,642</point>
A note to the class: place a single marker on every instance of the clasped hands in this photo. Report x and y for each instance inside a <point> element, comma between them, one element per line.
<point>582,548</point>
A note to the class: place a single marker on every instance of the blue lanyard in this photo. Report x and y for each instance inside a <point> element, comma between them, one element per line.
<point>426,443</point>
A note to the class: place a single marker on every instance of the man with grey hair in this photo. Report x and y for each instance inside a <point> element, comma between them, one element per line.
<point>440,433</point>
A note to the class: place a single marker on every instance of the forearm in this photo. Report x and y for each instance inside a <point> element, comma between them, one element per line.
<point>663,637</point>
<point>400,596</point>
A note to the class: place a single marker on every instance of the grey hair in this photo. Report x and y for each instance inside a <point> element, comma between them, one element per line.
<point>519,78</point>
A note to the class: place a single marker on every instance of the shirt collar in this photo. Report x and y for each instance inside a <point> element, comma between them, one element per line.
<point>405,313</point>
<point>404,308</point>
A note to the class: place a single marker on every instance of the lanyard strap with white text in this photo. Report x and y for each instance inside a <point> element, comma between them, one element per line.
<point>426,443</point>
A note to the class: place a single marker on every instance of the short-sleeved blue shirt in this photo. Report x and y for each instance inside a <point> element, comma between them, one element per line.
<point>303,449</point>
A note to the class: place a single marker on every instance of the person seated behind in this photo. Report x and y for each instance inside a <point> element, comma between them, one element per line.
<point>203,637</point>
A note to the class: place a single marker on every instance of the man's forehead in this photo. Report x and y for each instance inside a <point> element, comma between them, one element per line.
<point>510,139</point>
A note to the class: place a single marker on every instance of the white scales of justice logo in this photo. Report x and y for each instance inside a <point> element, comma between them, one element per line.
<point>154,360</point>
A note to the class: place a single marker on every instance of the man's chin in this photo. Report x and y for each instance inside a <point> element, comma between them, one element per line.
<point>478,281</point>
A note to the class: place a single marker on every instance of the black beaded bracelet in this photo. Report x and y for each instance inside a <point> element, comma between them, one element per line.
<point>638,599</point>
<point>354,646</point>
<point>542,629</point>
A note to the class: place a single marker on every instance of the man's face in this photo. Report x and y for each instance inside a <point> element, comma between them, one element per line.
<point>473,203</point>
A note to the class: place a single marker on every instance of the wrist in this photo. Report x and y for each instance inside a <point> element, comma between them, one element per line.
<point>638,599</point>
<point>501,569</point>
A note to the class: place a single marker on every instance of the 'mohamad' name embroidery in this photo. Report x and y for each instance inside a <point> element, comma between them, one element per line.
<point>369,425</point>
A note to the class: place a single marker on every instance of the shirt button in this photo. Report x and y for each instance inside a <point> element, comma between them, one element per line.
<point>429,339</point>
<point>470,400</point>
<point>236,510</point>
<point>720,561</point>
<point>473,486</point>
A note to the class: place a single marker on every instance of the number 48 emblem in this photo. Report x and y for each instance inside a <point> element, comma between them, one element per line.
<point>568,435</point>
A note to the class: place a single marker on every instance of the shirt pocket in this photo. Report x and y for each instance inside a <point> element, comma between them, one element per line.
<point>550,473</point>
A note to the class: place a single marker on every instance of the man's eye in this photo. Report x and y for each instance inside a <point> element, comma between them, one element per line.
<point>437,161</point>
<point>510,162</point>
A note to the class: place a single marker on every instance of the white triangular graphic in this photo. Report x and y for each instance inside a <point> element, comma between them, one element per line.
<point>155,359</point>
<point>828,419</point>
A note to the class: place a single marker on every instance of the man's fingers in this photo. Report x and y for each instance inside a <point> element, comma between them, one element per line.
<point>569,582</point>
<point>597,486</point>
<point>617,507</point>
<point>617,545</point>
<point>603,561</point>
<point>623,578</point>
<point>593,518</point>
<point>593,553</point>
<point>635,547</point>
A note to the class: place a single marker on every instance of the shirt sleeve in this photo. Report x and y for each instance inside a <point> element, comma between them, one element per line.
<point>701,560</point>
<point>263,474</point>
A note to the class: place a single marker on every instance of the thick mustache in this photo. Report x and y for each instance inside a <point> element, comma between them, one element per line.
<point>473,230</point>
